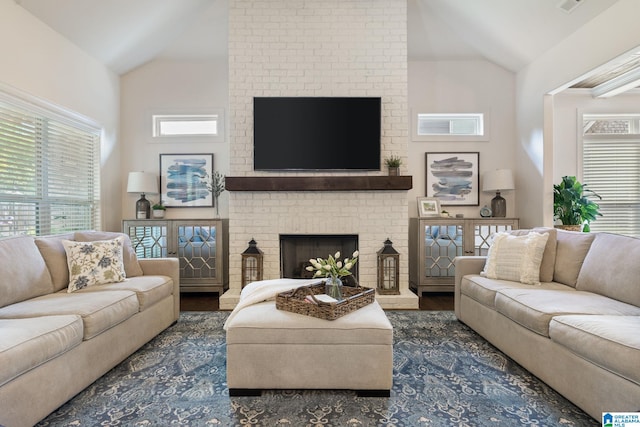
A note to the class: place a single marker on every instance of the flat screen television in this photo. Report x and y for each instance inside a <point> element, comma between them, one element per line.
<point>316,134</point>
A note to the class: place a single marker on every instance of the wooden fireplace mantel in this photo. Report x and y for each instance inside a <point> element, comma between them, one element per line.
<point>318,183</point>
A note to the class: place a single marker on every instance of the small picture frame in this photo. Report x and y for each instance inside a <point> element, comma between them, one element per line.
<point>428,207</point>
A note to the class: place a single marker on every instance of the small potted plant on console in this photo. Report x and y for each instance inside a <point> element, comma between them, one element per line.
<point>158,210</point>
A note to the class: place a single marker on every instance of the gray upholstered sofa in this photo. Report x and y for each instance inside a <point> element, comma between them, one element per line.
<point>579,329</point>
<point>53,343</point>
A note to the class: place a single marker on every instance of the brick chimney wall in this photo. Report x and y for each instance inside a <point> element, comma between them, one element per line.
<point>317,48</point>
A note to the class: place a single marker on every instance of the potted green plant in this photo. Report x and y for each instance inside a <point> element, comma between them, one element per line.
<point>393,163</point>
<point>158,210</point>
<point>572,204</point>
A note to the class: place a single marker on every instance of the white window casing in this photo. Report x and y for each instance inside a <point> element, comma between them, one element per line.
<point>188,127</point>
<point>450,126</point>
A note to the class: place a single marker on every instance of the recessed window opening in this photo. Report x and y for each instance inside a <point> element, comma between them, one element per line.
<point>471,124</point>
<point>185,125</point>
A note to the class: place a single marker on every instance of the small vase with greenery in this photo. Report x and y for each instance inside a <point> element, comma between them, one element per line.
<point>572,204</point>
<point>393,163</point>
<point>217,186</point>
<point>158,210</point>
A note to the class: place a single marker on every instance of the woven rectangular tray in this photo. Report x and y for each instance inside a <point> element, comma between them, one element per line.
<point>354,298</point>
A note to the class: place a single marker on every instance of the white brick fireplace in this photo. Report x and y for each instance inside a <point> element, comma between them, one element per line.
<point>317,48</point>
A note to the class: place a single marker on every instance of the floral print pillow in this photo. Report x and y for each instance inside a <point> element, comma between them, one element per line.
<point>94,263</point>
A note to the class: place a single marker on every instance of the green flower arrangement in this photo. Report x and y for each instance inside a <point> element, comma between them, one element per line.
<point>332,266</point>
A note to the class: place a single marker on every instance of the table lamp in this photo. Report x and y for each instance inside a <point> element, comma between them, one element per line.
<point>498,180</point>
<point>142,182</point>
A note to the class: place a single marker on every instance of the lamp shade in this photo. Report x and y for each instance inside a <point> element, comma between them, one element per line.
<point>142,182</point>
<point>498,180</point>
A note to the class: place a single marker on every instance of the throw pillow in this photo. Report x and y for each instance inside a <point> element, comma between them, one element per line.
<point>94,263</point>
<point>516,258</point>
<point>131,265</point>
<point>548,263</point>
<point>55,257</point>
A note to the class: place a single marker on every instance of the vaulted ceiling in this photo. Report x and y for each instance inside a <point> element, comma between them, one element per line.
<point>124,34</point>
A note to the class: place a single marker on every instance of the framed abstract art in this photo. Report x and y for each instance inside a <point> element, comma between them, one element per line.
<point>184,178</point>
<point>453,178</point>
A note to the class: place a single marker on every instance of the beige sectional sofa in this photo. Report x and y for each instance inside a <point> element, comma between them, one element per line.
<point>54,343</point>
<point>578,330</point>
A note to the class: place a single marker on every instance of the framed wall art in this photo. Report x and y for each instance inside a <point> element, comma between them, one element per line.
<point>184,178</point>
<point>453,178</point>
<point>428,207</point>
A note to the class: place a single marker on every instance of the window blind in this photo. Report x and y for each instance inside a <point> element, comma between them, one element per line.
<point>611,168</point>
<point>49,171</point>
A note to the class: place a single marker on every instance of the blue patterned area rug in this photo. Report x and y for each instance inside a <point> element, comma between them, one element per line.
<point>444,375</point>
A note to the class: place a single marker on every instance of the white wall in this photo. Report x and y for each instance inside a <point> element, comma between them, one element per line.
<point>42,63</point>
<point>465,87</point>
<point>175,87</point>
<point>610,34</point>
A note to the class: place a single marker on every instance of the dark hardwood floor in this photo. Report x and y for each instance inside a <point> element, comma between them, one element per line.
<point>209,301</point>
<point>436,301</point>
<point>196,301</point>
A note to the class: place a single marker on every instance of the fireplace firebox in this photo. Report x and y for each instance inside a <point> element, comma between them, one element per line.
<point>297,249</point>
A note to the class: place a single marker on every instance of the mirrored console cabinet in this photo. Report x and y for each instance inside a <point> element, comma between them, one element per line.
<point>439,240</point>
<point>198,244</point>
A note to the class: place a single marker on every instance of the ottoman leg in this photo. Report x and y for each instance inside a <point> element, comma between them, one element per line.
<point>373,393</point>
<point>245,392</point>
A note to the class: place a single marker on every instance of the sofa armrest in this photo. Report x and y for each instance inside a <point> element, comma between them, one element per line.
<point>165,267</point>
<point>465,265</point>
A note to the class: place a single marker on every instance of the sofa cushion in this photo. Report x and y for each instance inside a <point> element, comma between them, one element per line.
<point>534,308</point>
<point>99,310</point>
<point>149,289</point>
<point>28,343</point>
<point>94,263</point>
<point>516,258</point>
<point>549,255</point>
<point>24,272</point>
<point>611,342</point>
<point>483,289</point>
<point>571,250</point>
<point>611,268</point>
<point>131,265</point>
<point>55,257</point>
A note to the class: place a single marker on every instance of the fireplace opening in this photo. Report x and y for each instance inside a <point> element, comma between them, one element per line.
<point>297,249</point>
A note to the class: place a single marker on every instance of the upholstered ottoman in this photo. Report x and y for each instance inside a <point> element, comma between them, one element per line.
<point>269,348</point>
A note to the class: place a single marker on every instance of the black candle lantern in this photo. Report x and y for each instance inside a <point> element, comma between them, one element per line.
<point>251,264</point>
<point>388,270</point>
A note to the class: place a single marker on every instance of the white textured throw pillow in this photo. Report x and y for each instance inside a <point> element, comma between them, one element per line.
<point>516,258</point>
<point>94,263</point>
